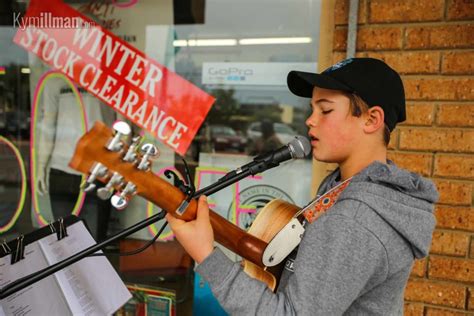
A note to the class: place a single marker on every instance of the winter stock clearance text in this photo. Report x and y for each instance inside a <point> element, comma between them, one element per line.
<point>110,70</point>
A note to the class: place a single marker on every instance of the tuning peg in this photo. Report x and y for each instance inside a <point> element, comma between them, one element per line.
<point>97,171</point>
<point>120,200</point>
<point>149,151</point>
<point>106,192</point>
<point>129,189</point>
<point>121,129</point>
<point>131,155</point>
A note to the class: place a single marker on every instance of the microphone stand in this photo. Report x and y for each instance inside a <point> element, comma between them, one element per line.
<point>258,165</point>
<point>252,168</point>
<point>223,182</point>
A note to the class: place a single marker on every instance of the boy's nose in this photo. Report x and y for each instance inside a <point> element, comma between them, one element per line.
<point>311,121</point>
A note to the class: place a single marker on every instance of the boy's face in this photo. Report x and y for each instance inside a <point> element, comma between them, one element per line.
<point>335,133</point>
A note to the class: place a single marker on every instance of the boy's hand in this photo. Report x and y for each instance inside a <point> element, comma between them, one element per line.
<point>195,236</point>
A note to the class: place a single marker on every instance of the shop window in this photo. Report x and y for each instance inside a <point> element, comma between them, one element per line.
<point>238,52</point>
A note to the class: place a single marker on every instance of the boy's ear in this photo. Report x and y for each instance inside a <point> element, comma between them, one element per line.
<point>374,119</point>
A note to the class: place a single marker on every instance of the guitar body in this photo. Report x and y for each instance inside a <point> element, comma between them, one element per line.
<point>269,221</point>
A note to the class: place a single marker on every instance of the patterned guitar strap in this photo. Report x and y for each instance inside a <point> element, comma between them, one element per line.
<point>323,202</point>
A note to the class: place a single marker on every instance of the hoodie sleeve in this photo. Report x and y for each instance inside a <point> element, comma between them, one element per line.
<point>336,260</point>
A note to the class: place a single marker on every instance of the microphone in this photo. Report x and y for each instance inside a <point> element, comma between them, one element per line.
<point>299,147</point>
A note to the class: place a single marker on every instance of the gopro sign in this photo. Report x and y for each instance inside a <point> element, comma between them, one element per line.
<point>231,71</point>
<point>268,74</point>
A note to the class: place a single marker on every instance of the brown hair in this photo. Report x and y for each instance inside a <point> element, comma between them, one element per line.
<point>358,106</point>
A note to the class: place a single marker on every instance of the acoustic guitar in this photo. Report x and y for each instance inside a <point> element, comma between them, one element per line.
<point>101,154</point>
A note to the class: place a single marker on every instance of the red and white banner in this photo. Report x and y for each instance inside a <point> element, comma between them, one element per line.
<point>153,97</point>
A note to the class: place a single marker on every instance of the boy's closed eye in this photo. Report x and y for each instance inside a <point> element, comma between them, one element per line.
<point>322,111</point>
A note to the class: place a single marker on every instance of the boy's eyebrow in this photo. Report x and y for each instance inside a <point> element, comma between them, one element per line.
<point>319,101</point>
<point>323,100</point>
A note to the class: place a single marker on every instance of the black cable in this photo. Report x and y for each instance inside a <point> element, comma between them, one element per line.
<point>149,243</point>
<point>133,252</point>
<point>188,175</point>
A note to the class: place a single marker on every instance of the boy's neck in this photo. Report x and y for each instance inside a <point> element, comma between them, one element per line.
<point>356,163</point>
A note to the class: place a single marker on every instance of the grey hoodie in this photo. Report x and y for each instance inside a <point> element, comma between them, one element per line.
<point>354,260</point>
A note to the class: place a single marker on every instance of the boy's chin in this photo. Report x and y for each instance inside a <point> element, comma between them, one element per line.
<point>324,158</point>
<point>318,156</point>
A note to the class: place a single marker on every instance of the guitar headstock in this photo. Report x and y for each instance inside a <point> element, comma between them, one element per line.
<point>103,154</point>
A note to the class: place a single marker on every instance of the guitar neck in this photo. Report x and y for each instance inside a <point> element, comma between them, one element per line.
<point>225,233</point>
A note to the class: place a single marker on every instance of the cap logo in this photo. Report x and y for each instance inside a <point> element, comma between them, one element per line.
<point>340,64</point>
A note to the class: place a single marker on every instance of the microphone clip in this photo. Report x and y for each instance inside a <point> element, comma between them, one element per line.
<point>187,188</point>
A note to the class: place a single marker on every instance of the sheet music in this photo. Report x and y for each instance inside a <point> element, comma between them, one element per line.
<point>44,296</point>
<point>91,286</point>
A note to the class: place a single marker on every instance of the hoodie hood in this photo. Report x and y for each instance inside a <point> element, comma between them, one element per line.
<point>405,200</point>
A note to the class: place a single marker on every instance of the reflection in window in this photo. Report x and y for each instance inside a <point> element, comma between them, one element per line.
<point>244,65</point>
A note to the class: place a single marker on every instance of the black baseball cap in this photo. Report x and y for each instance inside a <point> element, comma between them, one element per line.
<point>371,79</point>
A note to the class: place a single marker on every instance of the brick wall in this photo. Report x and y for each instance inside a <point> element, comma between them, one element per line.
<point>431,43</point>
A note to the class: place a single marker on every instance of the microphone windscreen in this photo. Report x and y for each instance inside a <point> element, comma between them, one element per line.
<point>300,147</point>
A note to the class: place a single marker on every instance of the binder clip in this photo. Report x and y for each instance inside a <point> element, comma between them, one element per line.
<point>6,248</point>
<point>51,227</point>
<point>19,252</point>
<point>61,232</point>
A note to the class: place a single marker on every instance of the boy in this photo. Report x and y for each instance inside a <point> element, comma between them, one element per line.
<point>355,258</point>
